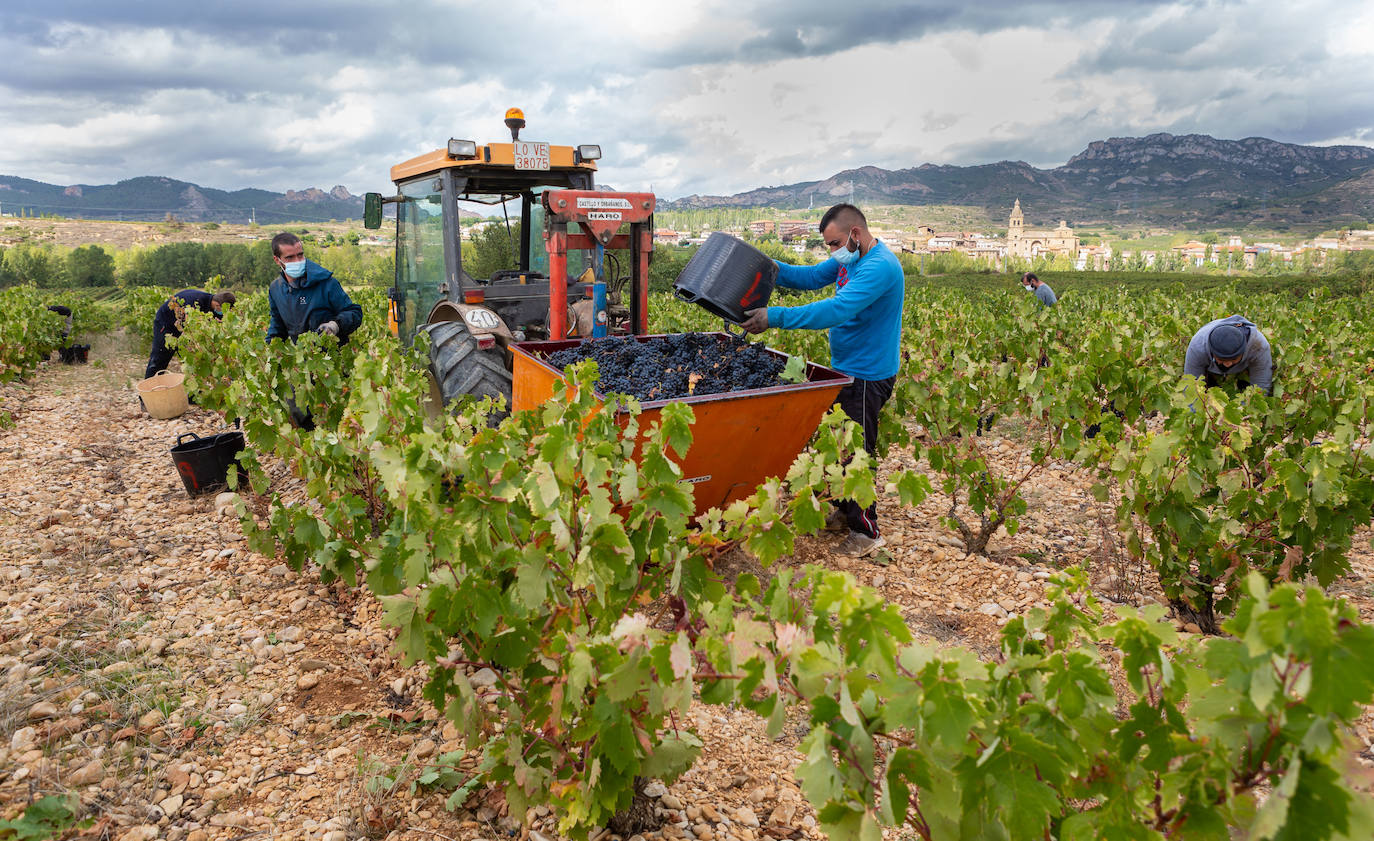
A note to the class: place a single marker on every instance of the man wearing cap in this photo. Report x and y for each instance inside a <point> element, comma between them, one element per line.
<point>1231,347</point>
<point>864,318</point>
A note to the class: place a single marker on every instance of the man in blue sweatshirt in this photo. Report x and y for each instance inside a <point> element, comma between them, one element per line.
<point>864,318</point>
<point>1228,348</point>
<point>306,297</point>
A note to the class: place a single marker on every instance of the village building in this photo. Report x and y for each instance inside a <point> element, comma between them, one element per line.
<point>1023,242</point>
<point>790,229</point>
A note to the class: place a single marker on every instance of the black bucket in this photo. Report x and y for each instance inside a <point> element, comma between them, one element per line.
<point>72,354</point>
<point>204,463</point>
<point>727,276</point>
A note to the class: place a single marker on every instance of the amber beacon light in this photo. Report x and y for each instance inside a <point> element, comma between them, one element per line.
<point>515,120</point>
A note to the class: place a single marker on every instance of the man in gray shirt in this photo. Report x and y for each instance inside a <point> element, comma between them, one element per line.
<point>1041,290</point>
<point>1231,347</point>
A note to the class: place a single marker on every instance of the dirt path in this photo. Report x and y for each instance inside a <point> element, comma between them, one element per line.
<point>187,688</point>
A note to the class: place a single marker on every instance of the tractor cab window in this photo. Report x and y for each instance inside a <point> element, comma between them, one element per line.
<point>578,260</point>
<point>419,250</point>
<point>491,235</point>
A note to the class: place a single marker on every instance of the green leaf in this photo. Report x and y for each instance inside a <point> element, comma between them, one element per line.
<point>47,817</point>
<point>671,756</point>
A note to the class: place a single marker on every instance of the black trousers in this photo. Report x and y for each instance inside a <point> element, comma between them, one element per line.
<point>862,400</point>
<point>161,356</point>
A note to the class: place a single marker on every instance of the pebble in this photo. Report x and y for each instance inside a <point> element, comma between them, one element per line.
<point>746,816</point>
<point>150,719</point>
<point>307,682</point>
<point>91,772</point>
<point>222,791</point>
<point>484,677</point>
<point>42,710</point>
<point>23,738</point>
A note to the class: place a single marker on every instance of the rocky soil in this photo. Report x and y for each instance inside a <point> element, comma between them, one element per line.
<point>187,688</point>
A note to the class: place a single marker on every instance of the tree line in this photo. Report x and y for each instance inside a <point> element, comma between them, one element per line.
<point>184,264</point>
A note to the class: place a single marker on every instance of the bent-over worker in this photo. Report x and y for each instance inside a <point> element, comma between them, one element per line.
<point>171,317</point>
<point>1231,348</point>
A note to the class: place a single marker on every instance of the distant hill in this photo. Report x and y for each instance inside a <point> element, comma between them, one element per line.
<point>1186,181</point>
<point>151,198</point>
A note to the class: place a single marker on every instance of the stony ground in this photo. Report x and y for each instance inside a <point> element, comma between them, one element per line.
<point>187,688</point>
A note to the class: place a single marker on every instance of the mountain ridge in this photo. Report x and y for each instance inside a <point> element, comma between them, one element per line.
<point>153,197</point>
<point>1191,180</point>
<point>1184,180</point>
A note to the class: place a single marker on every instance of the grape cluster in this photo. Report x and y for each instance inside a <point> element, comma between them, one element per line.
<point>675,366</point>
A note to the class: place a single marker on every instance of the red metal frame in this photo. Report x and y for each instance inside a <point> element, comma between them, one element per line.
<point>599,214</point>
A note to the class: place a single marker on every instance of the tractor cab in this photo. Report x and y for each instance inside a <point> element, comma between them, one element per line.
<point>575,259</point>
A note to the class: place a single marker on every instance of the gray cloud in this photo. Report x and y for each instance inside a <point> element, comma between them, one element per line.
<point>720,97</point>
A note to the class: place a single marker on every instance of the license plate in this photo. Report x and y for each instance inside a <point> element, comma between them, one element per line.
<point>531,155</point>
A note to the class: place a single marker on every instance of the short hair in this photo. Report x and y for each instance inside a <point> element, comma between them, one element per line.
<point>283,239</point>
<point>1029,276</point>
<point>842,213</point>
<point>224,298</point>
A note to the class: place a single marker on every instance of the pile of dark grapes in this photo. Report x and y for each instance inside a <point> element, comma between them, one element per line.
<point>679,365</point>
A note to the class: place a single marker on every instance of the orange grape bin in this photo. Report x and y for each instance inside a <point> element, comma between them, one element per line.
<point>739,438</point>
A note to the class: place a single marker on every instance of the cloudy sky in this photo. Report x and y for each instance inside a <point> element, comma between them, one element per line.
<point>694,96</point>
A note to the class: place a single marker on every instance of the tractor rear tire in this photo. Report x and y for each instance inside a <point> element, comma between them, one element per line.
<point>461,367</point>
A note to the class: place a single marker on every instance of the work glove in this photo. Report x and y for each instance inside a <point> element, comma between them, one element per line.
<point>329,328</point>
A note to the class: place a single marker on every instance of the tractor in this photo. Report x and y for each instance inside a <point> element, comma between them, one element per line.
<point>582,261</point>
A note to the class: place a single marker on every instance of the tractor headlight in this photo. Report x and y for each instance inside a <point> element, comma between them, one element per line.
<point>462,148</point>
<point>588,153</point>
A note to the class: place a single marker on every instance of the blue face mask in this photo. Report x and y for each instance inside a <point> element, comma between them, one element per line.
<point>295,269</point>
<point>843,255</point>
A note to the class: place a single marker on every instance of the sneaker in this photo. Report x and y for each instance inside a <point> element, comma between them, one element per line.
<point>860,545</point>
<point>836,521</point>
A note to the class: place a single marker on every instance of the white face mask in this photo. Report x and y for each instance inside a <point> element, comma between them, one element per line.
<point>843,255</point>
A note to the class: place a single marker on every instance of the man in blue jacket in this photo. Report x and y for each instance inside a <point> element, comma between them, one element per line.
<point>306,297</point>
<point>864,318</point>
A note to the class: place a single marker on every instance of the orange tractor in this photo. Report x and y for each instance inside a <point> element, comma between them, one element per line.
<point>581,263</point>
